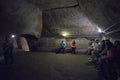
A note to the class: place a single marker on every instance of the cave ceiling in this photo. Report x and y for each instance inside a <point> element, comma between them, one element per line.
<point>76,17</point>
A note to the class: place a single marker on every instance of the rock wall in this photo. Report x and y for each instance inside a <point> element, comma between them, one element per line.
<point>104,13</point>
<point>51,44</point>
<point>20,17</point>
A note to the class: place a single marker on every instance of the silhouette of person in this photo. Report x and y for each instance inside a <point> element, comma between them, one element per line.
<point>62,47</point>
<point>73,47</point>
<point>8,50</point>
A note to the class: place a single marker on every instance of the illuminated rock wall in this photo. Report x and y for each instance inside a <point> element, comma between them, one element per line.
<point>51,44</point>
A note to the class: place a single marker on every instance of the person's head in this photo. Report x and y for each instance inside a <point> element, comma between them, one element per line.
<point>92,40</point>
<point>109,45</point>
<point>74,41</point>
<point>103,44</point>
<point>97,40</point>
<point>117,44</point>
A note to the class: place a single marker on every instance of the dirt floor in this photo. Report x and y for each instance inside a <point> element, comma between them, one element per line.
<point>48,66</point>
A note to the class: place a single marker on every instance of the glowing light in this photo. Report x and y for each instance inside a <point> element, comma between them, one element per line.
<point>12,36</point>
<point>64,34</point>
<point>99,30</point>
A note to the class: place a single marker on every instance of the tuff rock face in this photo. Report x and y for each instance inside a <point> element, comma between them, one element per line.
<point>105,13</point>
<point>51,18</point>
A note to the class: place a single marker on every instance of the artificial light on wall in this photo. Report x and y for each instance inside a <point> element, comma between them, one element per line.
<point>65,34</point>
<point>99,30</point>
<point>12,36</point>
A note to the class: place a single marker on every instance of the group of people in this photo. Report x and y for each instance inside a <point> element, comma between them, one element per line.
<point>106,55</point>
<point>63,47</point>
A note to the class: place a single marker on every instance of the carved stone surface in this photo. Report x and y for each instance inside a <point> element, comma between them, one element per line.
<point>51,17</point>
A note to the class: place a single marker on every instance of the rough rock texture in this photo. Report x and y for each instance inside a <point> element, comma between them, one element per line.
<point>70,20</point>
<point>19,17</point>
<point>48,4</point>
<point>47,44</point>
<point>51,18</point>
<point>105,13</point>
<point>78,17</point>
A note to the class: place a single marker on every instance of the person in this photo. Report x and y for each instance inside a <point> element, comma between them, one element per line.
<point>106,62</point>
<point>8,50</point>
<point>96,50</point>
<point>116,57</point>
<point>73,47</point>
<point>62,47</point>
<point>91,45</point>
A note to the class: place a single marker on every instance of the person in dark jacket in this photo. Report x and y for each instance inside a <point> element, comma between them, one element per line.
<point>8,50</point>
<point>62,47</point>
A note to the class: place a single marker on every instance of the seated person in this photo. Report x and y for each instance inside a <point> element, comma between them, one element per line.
<point>91,45</point>
<point>62,47</point>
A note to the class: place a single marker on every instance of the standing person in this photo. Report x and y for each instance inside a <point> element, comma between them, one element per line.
<point>73,47</point>
<point>8,50</point>
<point>62,47</point>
